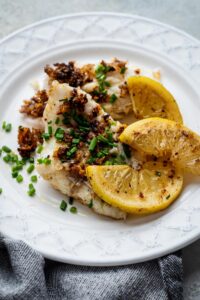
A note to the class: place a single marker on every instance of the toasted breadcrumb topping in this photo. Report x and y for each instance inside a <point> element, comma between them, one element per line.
<point>28,139</point>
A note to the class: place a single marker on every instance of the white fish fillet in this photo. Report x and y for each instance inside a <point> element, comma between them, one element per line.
<point>57,173</point>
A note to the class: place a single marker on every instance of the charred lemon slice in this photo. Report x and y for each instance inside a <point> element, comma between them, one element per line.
<point>165,138</point>
<point>151,99</point>
<point>151,189</point>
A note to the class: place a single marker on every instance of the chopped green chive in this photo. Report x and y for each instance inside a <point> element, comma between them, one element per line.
<point>39,149</point>
<point>168,196</point>
<point>90,205</point>
<point>31,190</point>
<point>34,178</point>
<point>113,98</point>
<point>57,121</point>
<point>31,160</point>
<point>93,144</point>
<point>91,160</point>
<point>14,174</point>
<point>1,191</point>
<point>7,127</point>
<point>158,173</point>
<point>17,167</point>
<point>46,136</point>
<point>4,125</point>
<point>72,151</point>
<point>75,141</point>
<point>45,161</point>
<point>71,200</point>
<point>63,205</point>
<point>7,158</point>
<point>19,178</point>
<point>50,130</point>
<point>108,163</point>
<point>123,70</point>
<point>6,149</point>
<point>30,168</point>
<point>73,210</point>
<point>59,134</point>
<point>49,122</point>
<point>107,83</point>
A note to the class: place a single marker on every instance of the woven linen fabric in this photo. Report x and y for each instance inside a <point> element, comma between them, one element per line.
<point>25,274</point>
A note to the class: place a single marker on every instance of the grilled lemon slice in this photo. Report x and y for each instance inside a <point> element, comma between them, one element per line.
<point>165,138</point>
<point>151,99</point>
<point>151,189</point>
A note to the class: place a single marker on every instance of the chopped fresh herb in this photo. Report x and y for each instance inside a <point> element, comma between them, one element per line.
<point>46,136</point>
<point>105,140</point>
<point>113,123</point>
<point>102,153</point>
<point>158,173</point>
<point>14,174</point>
<point>14,158</point>
<point>7,127</point>
<point>24,161</point>
<point>72,151</point>
<point>63,205</point>
<point>49,122</point>
<point>71,200</point>
<point>39,149</point>
<point>73,210</point>
<point>57,121</point>
<point>108,163</point>
<point>1,191</point>
<point>4,125</point>
<point>168,196</point>
<point>84,129</point>
<point>90,205</point>
<point>34,178</point>
<point>107,83</point>
<point>91,160</point>
<point>0,152</point>
<point>118,160</point>
<point>75,141</point>
<point>93,144</point>
<point>19,178</point>
<point>30,168</point>
<point>31,160</point>
<point>50,130</point>
<point>17,167</point>
<point>59,134</point>
<point>7,158</point>
<point>123,70</point>
<point>31,190</point>
<point>6,149</point>
<point>113,98</point>
<point>45,161</point>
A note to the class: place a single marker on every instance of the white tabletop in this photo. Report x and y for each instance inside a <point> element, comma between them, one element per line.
<point>183,14</point>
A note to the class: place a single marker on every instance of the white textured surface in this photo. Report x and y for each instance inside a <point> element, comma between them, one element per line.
<point>184,14</point>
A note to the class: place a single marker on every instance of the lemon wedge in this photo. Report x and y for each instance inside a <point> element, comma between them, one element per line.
<point>151,99</point>
<point>151,189</point>
<point>165,138</point>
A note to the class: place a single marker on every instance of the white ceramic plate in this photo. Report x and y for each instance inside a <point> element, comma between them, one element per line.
<point>86,238</point>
